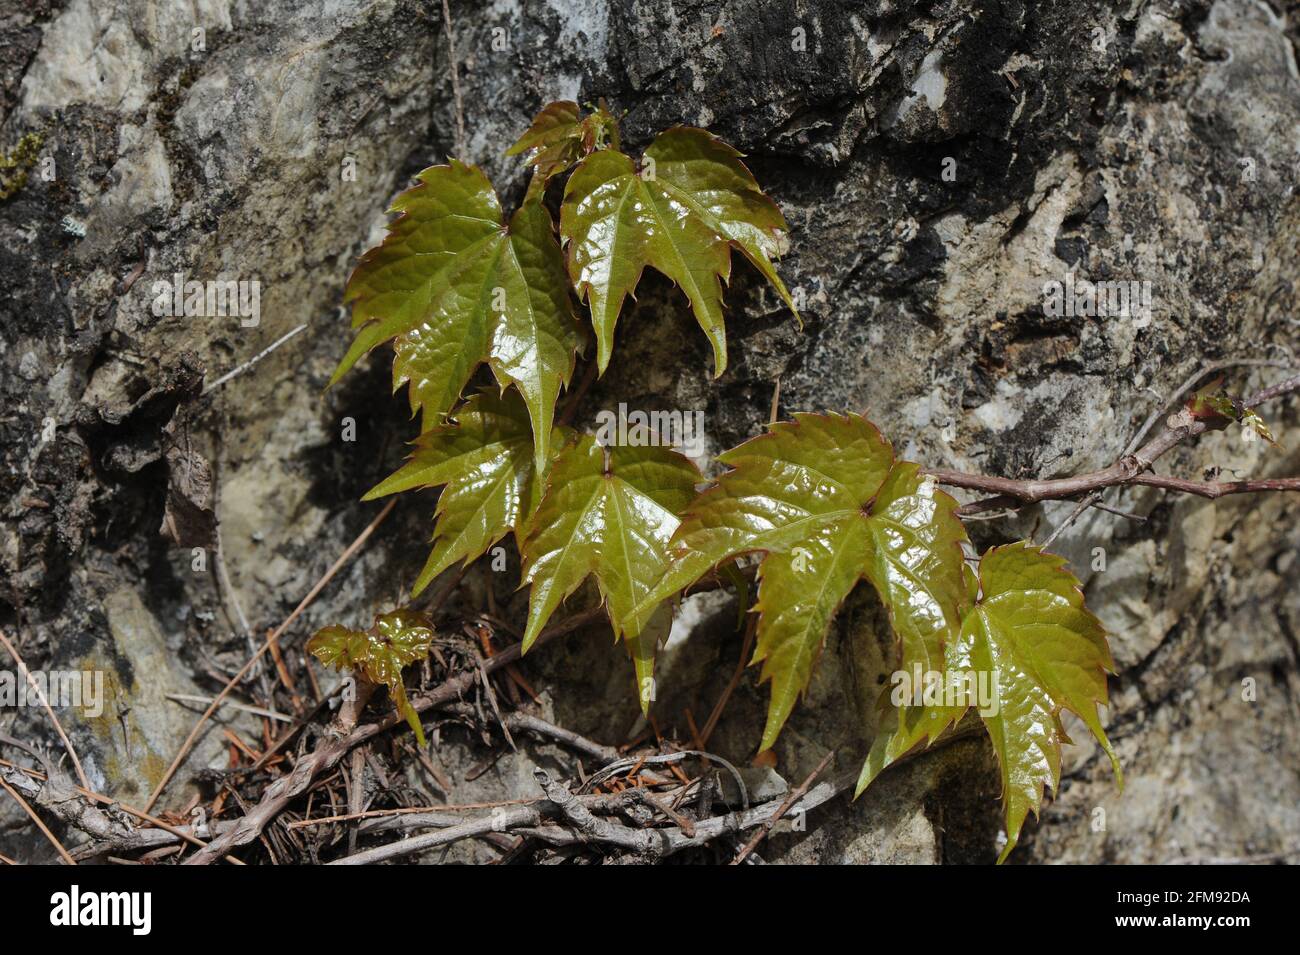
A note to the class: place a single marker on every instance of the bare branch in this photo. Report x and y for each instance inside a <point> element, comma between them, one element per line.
<point>1216,489</point>
<point>1129,469</point>
<point>528,821</point>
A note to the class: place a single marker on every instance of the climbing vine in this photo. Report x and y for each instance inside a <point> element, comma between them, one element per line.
<point>814,505</point>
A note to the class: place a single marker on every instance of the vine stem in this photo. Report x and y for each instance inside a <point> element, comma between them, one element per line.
<point>571,406</point>
<point>1130,469</point>
<point>1094,499</point>
<point>799,792</point>
<point>716,714</point>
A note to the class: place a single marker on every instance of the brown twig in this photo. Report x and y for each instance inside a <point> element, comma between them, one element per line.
<point>790,800</point>
<point>97,825</point>
<point>407,810</point>
<point>58,727</point>
<point>656,843</point>
<point>721,705</point>
<point>492,698</point>
<point>583,819</point>
<point>1094,498</point>
<point>283,672</point>
<point>356,791</point>
<point>539,726</point>
<point>626,801</point>
<point>503,820</point>
<point>446,592</point>
<point>455,82</point>
<point>1217,489</point>
<point>686,825</point>
<point>1188,384</point>
<point>1127,515</point>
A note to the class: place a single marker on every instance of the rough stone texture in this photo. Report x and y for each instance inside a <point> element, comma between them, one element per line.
<point>1150,141</point>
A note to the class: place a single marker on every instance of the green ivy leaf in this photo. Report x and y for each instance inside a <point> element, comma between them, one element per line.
<point>1031,630</point>
<point>397,639</point>
<point>681,211</point>
<point>824,500</point>
<point>455,287</point>
<point>1030,627</point>
<point>901,730</point>
<point>904,727</point>
<point>643,647</point>
<point>607,512</point>
<point>486,461</point>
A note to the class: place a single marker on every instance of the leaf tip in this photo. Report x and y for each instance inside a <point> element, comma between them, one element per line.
<point>864,778</point>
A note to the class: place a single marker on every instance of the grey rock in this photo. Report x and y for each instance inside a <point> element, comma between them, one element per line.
<point>1148,142</point>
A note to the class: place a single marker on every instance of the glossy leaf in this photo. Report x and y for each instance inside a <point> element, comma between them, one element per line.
<point>607,512</point>
<point>485,460</point>
<point>559,136</point>
<point>455,288</point>
<point>1250,419</point>
<point>824,500</point>
<point>555,122</point>
<point>1031,631</point>
<point>903,729</point>
<point>1049,653</point>
<point>681,210</point>
<point>643,647</point>
<point>397,639</point>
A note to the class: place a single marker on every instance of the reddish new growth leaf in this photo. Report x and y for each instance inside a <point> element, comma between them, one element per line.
<point>397,639</point>
<point>1217,408</point>
<point>560,136</point>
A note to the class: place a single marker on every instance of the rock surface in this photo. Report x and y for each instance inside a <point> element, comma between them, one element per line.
<point>938,164</point>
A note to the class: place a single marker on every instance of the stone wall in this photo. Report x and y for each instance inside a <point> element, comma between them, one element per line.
<point>1145,141</point>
